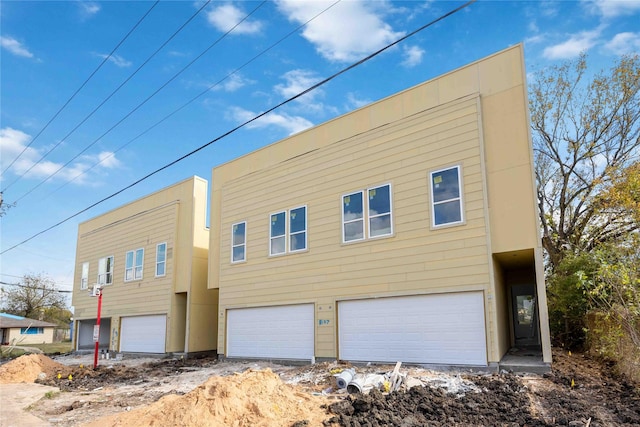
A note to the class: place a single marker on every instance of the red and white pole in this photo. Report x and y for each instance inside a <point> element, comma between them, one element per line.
<point>96,330</point>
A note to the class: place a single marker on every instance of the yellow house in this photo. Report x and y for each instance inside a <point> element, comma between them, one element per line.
<point>150,259</point>
<point>406,231</point>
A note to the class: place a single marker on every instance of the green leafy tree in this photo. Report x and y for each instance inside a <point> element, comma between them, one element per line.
<point>568,290</point>
<point>36,297</point>
<point>586,138</point>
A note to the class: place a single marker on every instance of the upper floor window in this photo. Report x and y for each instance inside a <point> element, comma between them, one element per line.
<point>446,197</point>
<point>161,259</point>
<point>288,231</point>
<point>238,242</point>
<point>367,217</point>
<point>84,279</point>
<point>133,265</point>
<point>105,270</point>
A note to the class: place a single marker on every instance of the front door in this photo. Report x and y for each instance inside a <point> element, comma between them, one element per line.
<point>525,314</point>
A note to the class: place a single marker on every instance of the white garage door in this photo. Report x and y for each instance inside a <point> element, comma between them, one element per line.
<point>441,329</point>
<point>143,334</point>
<point>282,332</point>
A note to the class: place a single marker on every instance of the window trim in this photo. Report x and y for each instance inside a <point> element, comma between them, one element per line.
<point>287,231</point>
<point>134,265</point>
<point>84,276</point>
<point>108,272</point>
<point>366,218</point>
<point>271,236</point>
<point>362,219</point>
<point>460,198</point>
<point>164,260</point>
<point>243,244</point>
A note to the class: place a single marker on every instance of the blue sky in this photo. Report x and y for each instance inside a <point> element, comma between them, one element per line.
<point>50,48</point>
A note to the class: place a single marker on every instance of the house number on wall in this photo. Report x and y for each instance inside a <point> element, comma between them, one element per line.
<point>323,322</point>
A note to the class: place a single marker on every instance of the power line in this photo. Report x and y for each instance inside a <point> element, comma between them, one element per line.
<point>220,81</point>
<point>229,132</point>
<point>71,98</point>
<point>145,100</point>
<point>62,291</point>
<point>98,107</point>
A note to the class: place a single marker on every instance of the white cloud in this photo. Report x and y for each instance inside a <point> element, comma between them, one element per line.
<point>13,142</point>
<point>233,83</point>
<point>15,47</point>
<point>576,44</point>
<point>548,8</point>
<point>613,8</point>
<point>118,60</point>
<point>298,81</point>
<point>534,39</point>
<point>624,43</point>
<point>354,102</point>
<point>346,32</point>
<point>225,17</point>
<point>412,56</point>
<point>88,8</point>
<point>291,124</point>
<point>108,159</point>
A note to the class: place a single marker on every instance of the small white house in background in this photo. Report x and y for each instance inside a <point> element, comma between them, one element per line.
<point>17,330</point>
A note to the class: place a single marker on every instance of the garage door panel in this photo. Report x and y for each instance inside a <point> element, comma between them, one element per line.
<point>143,334</point>
<point>443,328</point>
<point>283,332</point>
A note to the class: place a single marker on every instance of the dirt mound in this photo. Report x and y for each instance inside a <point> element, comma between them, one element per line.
<point>252,398</point>
<point>502,401</point>
<point>27,368</point>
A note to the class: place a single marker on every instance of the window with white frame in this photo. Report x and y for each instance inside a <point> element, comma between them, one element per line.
<point>84,279</point>
<point>105,270</point>
<point>133,265</point>
<point>446,197</point>
<point>238,242</point>
<point>367,217</point>
<point>288,231</point>
<point>298,229</point>
<point>161,259</point>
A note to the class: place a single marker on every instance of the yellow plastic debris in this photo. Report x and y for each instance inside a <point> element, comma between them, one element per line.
<point>336,371</point>
<point>59,375</point>
<point>81,366</point>
<point>573,384</point>
<point>70,377</point>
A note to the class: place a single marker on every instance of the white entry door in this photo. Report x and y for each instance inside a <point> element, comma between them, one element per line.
<point>436,329</point>
<point>280,332</point>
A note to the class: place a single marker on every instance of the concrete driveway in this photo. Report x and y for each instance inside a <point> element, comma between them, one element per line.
<point>16,397</point>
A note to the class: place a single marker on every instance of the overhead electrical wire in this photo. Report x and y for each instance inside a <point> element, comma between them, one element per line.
<point>220,81</point>
<point>145,100</point>
<point>253,119</point>
<point>62,291</point>
<point>106,58</point>
<point>95,109</point>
